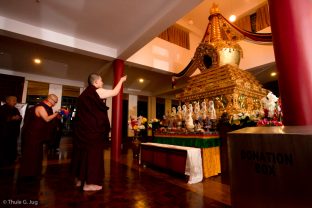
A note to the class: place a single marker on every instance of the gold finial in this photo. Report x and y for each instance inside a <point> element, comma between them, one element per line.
<point>214,9</point>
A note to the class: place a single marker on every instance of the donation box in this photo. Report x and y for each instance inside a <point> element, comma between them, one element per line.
<point>271,167</point>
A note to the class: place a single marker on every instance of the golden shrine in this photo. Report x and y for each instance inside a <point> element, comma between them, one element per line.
<point>217,57</point>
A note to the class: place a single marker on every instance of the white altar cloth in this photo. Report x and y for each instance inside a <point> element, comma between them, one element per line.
<point>193,167</point>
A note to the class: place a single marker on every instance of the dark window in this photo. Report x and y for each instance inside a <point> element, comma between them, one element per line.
<point>11,85</point>
<point>175,103</point>
<point>34,99</point>
<point>160,108</point>
<point>253,19</point>
<point>272,86</point>
<point>142,108</point>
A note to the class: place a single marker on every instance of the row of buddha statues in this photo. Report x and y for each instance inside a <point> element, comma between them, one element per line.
<point>194,116</point>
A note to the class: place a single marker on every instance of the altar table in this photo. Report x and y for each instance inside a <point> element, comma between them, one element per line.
<point>173,158</point>
<point>208,143</point>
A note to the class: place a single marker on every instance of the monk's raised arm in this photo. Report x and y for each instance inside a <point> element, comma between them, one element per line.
<point>104,93</point>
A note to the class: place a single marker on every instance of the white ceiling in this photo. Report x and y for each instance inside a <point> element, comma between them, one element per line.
<point>92,33</point>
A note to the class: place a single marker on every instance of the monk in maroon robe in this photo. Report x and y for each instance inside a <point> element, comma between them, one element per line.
<point>91,130</point>
<point>37,129</point>
<point>10,120</point>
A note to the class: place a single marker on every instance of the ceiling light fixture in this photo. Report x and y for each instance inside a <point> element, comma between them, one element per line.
<point>232,18</point>
<point>190,22</point>
<point>273,74</point>
<point>37,61</point>
<point>141,80</point>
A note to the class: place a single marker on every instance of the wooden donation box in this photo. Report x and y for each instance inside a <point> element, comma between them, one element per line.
<point>271,167</point>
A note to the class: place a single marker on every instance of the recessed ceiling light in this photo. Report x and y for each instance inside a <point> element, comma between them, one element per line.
<point>273,74</point>
<point>141,80</point>
<point>190,22</point>
<point>232,18</point>
<point>37,61</point>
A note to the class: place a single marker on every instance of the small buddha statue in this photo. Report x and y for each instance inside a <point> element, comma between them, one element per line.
<point>179,113</point>
<point>203,110</point>
<point>189,124</point>
<point>211,110</point>
<point>184,112</point>
<point>196,111</point>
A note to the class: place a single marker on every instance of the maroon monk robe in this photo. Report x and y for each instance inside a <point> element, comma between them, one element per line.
<point>34,133</point>
<point>9,132</point>
<point>91,129</point>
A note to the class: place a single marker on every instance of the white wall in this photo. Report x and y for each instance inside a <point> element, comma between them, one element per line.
<point>132,109</point>
<point>24,96</point>
<point>57,90</point>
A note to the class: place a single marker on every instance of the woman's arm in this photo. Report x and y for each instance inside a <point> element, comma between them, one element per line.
<point>103,93</point>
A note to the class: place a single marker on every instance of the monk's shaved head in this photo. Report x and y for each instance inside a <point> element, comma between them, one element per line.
<point>93,77</point>
<point>95,80</point>
<point>11,100</point>
<point>52,98</point>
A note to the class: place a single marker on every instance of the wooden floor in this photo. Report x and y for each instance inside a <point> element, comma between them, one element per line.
<point>126,184</point>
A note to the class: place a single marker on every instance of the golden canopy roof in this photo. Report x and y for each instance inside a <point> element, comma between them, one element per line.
<point>219,44</point>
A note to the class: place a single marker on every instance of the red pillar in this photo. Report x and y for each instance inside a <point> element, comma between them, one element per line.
<point>291,23</point>
<point>117,112</point>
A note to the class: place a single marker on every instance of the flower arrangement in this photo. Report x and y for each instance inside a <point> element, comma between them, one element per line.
<point>138,124</point>
<point>64,112</point>
<point>272,111</point>
<point>242,120</point>
<point>270,115</point>
<point>139,127</point>
<point>154,123</point>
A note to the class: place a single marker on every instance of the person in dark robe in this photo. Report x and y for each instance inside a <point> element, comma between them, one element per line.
<point>91,129</point>
<point>37,128</point>
<point>10,120</point>
<point>53,143</point>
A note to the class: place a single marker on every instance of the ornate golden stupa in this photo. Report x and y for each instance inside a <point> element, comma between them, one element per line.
<point>221,80</point>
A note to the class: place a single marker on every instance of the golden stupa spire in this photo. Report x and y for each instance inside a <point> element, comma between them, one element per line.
<point>214,9</point>
<point>214,25</point>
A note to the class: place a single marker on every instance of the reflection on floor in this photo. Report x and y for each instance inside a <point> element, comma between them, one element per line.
<point>126,184</point>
